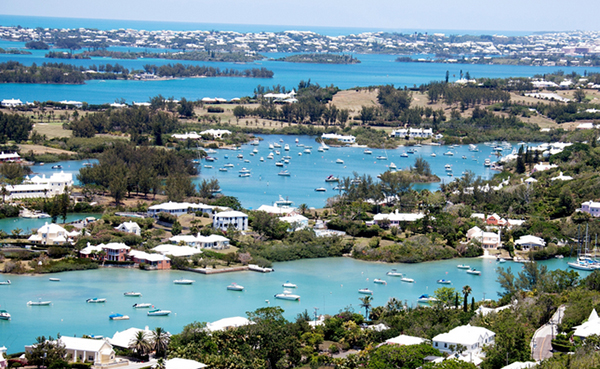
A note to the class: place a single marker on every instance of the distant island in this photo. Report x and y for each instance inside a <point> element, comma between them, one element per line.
<point>211,56</point>
<point>320,59</point>
<point>546,60</point>
<point>14,51</point>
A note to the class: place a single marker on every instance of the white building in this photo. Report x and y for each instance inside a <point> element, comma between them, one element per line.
<point>530,242</point>
<point>179,208</point>
<point>412,133</point>
<point>3,361</point>
<point>395,218</point>
<point>591,207</point>
<point>124,338</point>
<point>11,103</point>
<point>470,337</point>
<point>52,234</point>
<point>130,227</point>
<point>296,221</point>
<point>277,210</point>
<point>237,219</point>
<point>541,167</point>
<point>77,104</point>
<point>214,241</point>
<point>404,340</point>
<point>590,327</point>
<point>10,157</point>
<point>176,251</point>
<point>341,138</point>
<point>487,239</point>
<point>228,323</point>
<point>186,136</point>
<point>216,133</point>
<point>37,186</point>
<point>98,352</point>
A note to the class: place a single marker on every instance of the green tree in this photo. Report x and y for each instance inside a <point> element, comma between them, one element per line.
<point>466,292</point>
<point>159,339</point>
<point>446,296</point>
<point>579,95</point>
<point>46,352</point>
<point>405,357</point>
<point>140,344</point>
<point>176,228</point>
<point>366,303</point>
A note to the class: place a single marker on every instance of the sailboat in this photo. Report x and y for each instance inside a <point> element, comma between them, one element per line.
<point>584,261</point>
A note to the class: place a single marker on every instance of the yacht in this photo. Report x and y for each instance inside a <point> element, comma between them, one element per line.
<point>235,287</point>
<point>320,189</point>
<point>287,295</point>
<point>474,271</point>
<point>339,161</point>
<point>487,163</point>
<point>433,155</point>
<point>228,165</point>
<point>4,315</point>
<point>287,284</point>
<point>276,145</point>
<point>240,156</point>
<point>39,303</point>
<point>365,291</point>
<point>448,167</point>
<point>278,164</point>
<point>444,281</point>
<point>208,166</point>
<point>183,281</point>
<point>473,148</point>
<point>367,152</point>
<point>256,142</point>
<point>425,299</point>
<point>382,157</point>
<point>143,305</point>
<point>307,151</point>
<point>283,202</point>
<point>118,317</point>
<point>271,147</point>
<point>286,147</point>
<point>58,166</point>
<point>404,155</point>
<point>244,170</point>
<point>95,300</point>
<point>133,294</point>
<point>284,173</point>
<point>222,169</point>
<point>407,280</point>
<point>158,312</point>
<point>262,159</point>
<point>393,166</point>
<point>449,153</point>
<point>244,175</point>
<point>332,178</point>
<point>394,273</point>
<point>7,282</point>
<point>379,281</point>
<point>462,266</point>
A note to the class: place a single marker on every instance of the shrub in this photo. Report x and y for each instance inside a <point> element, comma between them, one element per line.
<point>215,109</point>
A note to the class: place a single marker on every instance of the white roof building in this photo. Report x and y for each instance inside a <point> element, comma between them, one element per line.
<point>297,221</point>
<point>9,157</point>
<point>216,133</point>
<point>178,363</point>
<point>130,227</point>
<point>179,208</point>
<point>334,136</point>
<point>37,186</point>
<point>472,338</point>
<point>224,219</point>
<point>396,217</point>
<point>541,167</point>
<point>278,210</point>
<point>404,340</point>
<point>99,352</point>
<point>521,365</point>
<point>530,242</point>
<point>77,104</point>
<point>228,323</point>
<point>487,239</point>
<point>592,326</point>
<point>186,136</point>
<point>123,339</point>
<point>3,361</point>
<point>176,251</point>
<point>591,207</point>
<point>412,132</point>
<point>11,103</point>
<point>213,241</point>
<point>561,177</point>
<point>52,234</point>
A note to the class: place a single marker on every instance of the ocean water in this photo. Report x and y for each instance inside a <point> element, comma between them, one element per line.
<point>329,284</point>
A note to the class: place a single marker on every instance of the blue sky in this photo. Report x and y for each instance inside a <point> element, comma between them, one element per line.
<point>510,15</point>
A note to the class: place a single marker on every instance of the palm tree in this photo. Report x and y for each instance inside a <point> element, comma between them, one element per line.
<point>302,208</point>
<point>140,343</point>
<point>466,291</point>
<point>4,192</point>
<point>160,341</point>
<point>366,303</point>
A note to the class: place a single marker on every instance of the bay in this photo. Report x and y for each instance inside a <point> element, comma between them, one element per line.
<point>329,284</point>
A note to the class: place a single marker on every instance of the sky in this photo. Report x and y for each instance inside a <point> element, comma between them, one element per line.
<point>508,15</point>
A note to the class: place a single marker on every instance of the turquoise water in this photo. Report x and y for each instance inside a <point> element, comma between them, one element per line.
<point>328,284</point>
<point>27,225</point>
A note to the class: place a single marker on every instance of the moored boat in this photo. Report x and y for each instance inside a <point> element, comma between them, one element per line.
<point>235,287</point>
<point>287,284</point>
<point>332,178</point>
<point>474,272</point>
<point>379,281</point>
<point>142,305</point>
<point>158,312</point>
<point>58,166</point>
<point>284,173</point>
<point>407,280</point>
<point>394,273</point>
<point>339,161</point>
<point>365,291</point>
<point>118,317</point>
<point>367,152</point>
<point>133,294</point>
<point>320,189</point>
<point>39,303</point>
<point>4,315</point>
<point>443,281</point>
<point>7,282</point>
<point>393,166</point>
<point>287,295</point>
<point>462,266</point>
<point>95,300</point>
<point>183,281</point>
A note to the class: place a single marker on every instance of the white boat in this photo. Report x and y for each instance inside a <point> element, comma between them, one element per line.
<point>474,272</point>
<point>501,260</point>
<point>296,140</point>
<point>433,155</point>
<point>209,158</point>
<point>284,173</point>
<point>256,268</point>
<point>235,287</point>
<point>143,305</point>
<point>393,166</point>
<point>277,145</point>
<point>407,280</point>
<point>332,178</point>
<point>211,151</point>
<point>240,156</point>
<point>58,166</point>
<point>289,285</point>
<point>365,291</point>
<point>444,281</point>
<point>425,299</point>
<point>367,152</point>
<point>448,167</point>
<point>559,256</point>
<point>287,295</point>
<point>244,170</point>
<point>4,315</point>
<point>379,281</point>
<point>323,146</point>
<point>464,157</point>
<point>462,266</point>
<point>320,149</point>
<point>133,294</point>
<point>580,265</point>
<point>208,166</point>
<point>262,159</point>
<point>339,161</point>
<point>7,282</point>
<point>118,317</point>
<point>320,189</point>
<point>95,300</point>
<point>404,155</point>
<point>277,152</point>
<point>299,154</point>
<point>487,163</point>
<point>222,169</point>
<point>255,151</point>
<point>473,148</point>
<point>271,147</point>
<point>278,164</point>
<point>394,273</point>
<point>449,153</point>
<point>39,303</point>
<point>158,312</point>
<point>381,157</point>
<point>286,147</point>
<point>243,175</point>
<point>229,165</point>
<point>183,281</point>
<point>307,151</point>
<point>246,161</point>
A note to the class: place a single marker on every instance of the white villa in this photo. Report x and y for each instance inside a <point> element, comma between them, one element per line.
<point>237,219</point>
<point>296,221</point>
<point>52,234</point>
<point>214,241</point>
<point>472,338</point>
<point>404,340</point>
<point>177,251</point>
<point>9,157</point>
<point>228,323</point>
<point>123,338</point>
<point>99,352</point>
<point>277,210</point>
<point>591,207</point>
<point>530,242</point>
<point>412,133</point>
<point>3,361</point>
<point>178,208</point>
<point>341,138</point>
<point>130,227</point>
<point>186,136</point>
<point>395,218</point>
<point>590,327</point>
<point>37,186</point>
<point>11,103</point>
<point>487,239</point>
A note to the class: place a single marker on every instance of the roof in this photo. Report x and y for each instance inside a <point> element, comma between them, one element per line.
<point>233,322</point>
<point>115,246</point>
<point>146,256</point>
<point>230,214</point>
<point>122,339</point>
<point>294,218</point>
<point>521,365</point>
<point>179,206</point>
<point>465,334</point>
<point>178,363</point>
<point>51,228</point>
<point>82,344</point>
<point>405,340</point>
<point>399,217</point>
<point>592,326</point>
<point>529,239</point>
<point>271,209</point>
<point>176,250</point>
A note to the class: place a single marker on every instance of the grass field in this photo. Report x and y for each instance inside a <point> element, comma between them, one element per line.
<point>52,130</point>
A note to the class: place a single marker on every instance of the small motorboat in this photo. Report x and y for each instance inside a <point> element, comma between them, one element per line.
<point>209,158</point>
<point>244,170</point>
<point>407,280</point>
<point>425,299</point>
<point>235,287</point>
<point>320,189</point>
<point>332,178</point>
<point>4,315</point>
<point>287,284</point>
<point>118,317</point>
<point>286,147</point>
<point>183,281</point>
<point>307,151</point>
<point>58,166</point>
<point>474,272</point>
<point>39,303</point>
<point>7,282</point>
<point>379,281</point>
<point>240,156</point>
<point>393,166</point>
<point>95,300</point>
<point>278,164</point>
<point>339,161</point>
<point>222,169</point>
<point>228,165</point>
<point>244,175</point>
<point>143,305</point>
<point>502,260</point>
<point>381,157</point>
<point>444,281</point>
<point>449,153</point>
<point>367,152</point>
<point>287,295</point>
<point>462,266</point>
<point>299,154</point>
<point>133,294</point>
<point>284,173</point>
<point>262,159</point>
<point>208,166</point>
<point>394,273</point>
<point>277,145</point>
<point>365,291</point>
<point>158,312</point>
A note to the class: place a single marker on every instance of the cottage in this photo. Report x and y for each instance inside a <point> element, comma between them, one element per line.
<point>396,218</point>
<point>530,242</point>
<point>228,323</point>
<point>130,227</point>
<point>487,239</point>
<point>11,103</point>
<point>10,157</point>
<point>179,208</point>
<point>590,327</point>
<point>496,220</point>
<point>176,251</point>
<point>98,352</point>
<point>151,261</point>
<point>404,340</point>
<point>296,221</point>
<point>473,339</point>
<point>214,241</point>
<point>52,234</point>
<point>236,219</point>
<point>341,138</point>
<point>591,207</point>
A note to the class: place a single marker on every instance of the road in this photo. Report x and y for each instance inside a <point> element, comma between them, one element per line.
<point>541,342</point>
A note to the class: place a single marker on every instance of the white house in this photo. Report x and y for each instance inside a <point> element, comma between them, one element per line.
<point>404,340</point>
<point>130,227</point>
<point>277,210</point>
<point>152,261</point>
<point>214,241</point>
<point>472,338</point>
<point>52,234</point>
<point>179,208</point>
<point>561,177</point>
<point>177,251</point>
<point>237,219</point>
<point>541,167</point>
<point>123,339</point>
<point>396,217</point>
<point>591,207</point>
<point>99,352</point>
<point>11,103</point>
<point>487,239</point>
<point>77,104</point>
<point>10,157</point>
<point>3,361</point>
<point>296,221</point>
<point>590,327</point>
<point>216,133</point>
<point>530,242</point>
<point>186,136</point>
<point>341,138</point>
<point>228,323</point>
<point>37,186</point>
<point>412,133</point>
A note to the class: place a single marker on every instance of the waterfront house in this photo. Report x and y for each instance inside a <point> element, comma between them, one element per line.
<point>276,210</point>
<point>152,261</point>
<point>115,251</point>
<point>130,227</point>
<point>11,103</point>
<point>590,327</point>
<point>186,136</point>
<point>216,133</point>
<point>10,157</point>
<point>228,323</point>
<point>123,339</point>
<point>87,350</point>
<point>52,234</point>
<point>213,241</point>
<point>591,207</point>
<point>412,133</point>
<point>341,138</point>
<point>487,239</point>
<point>234,218</point>
<point>37,186</point>
<point>396,218</point>
<point>530,242</point>
<point>179,208</point>
<point>472,338</point>
<point>296,221</point>
<point>177,251</point>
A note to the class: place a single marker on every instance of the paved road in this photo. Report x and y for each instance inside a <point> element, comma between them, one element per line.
<point>541,343</point>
